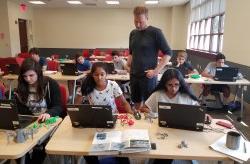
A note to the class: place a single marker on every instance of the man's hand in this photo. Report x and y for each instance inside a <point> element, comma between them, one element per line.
<point>151,73</point>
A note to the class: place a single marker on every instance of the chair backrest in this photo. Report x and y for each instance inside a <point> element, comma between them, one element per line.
<point>85,53</point>
<point>9,60</point>
<point>119,106</point>
<point>97,52</point>
<point>24,55</point>
<point>64,98</point>
<point>52,65</point>
<point>108,57</point>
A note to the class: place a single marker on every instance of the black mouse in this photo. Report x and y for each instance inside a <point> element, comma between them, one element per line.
<point>137,115</point>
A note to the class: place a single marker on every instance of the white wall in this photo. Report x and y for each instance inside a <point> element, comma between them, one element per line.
<point>91,28</point>
<point>236,44</point>
<point>13,14</point>
<point>179,27</point>
<point>5,49</point>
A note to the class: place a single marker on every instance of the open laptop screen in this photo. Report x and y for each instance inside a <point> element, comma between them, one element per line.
<point>180,116</point>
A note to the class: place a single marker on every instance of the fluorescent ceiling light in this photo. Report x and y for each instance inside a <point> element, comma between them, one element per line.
<point>75,2</point>
<point>151,2</point>
<point>37,2</point>
<point>113,2</point>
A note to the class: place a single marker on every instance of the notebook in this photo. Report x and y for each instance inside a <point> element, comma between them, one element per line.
<point>180,116</point>
<point>13,69</point>
<point>226,74</point>
<point>69,69</point>
<point>91,116</point>
<point>9,117</point>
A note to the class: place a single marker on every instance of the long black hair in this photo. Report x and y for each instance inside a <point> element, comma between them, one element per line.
<point>23,86</point>
<point>175,74</point>
<point>89,84</point>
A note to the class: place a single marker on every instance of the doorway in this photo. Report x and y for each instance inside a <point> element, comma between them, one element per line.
<point>22,24</point>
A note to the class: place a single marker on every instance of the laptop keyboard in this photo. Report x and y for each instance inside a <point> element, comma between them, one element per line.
<point>25,120</point>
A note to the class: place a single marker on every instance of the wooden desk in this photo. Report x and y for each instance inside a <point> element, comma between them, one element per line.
<point>13,150</point>
<point>77,141</point>
<point>203,80</point>
<point>56,76</point>
<point>93,57</point>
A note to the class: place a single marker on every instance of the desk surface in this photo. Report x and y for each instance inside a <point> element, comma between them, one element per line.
<point>202,80</point>
<point>56,76</point>
<point>13,150</point>
<point>77,141</point>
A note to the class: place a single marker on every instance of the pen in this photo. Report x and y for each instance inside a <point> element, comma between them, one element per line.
<point>245,148</point>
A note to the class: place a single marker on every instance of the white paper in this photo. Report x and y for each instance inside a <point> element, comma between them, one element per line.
<point>238,155</point>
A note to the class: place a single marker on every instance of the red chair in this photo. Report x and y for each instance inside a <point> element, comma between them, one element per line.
<point>64,99</point>
<point>85,53</point>
<point>108,52</point>
<point>126,52</point>
<point>9,60</point>
<point>119,106</point>
<point>55,56</point>
<point>96,52</point>
<point>52,65</point>
<point>24,55</point>
<point>108,58</point>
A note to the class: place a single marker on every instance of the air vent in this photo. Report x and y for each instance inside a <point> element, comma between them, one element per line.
<point>90,4</point>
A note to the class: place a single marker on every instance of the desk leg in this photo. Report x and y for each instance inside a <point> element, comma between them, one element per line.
<point>10,89</point>
<point>242,101</point>
<point>74,92</point>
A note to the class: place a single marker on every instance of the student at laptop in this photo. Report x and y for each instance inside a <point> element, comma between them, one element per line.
<point>172,88</point>
<point>36,94</point>
<point>41,60</point>
<point>100,91</point>
<point>209,72</point>
<point>182,65</point>
<point>83,65</point>
<point>119,63</point>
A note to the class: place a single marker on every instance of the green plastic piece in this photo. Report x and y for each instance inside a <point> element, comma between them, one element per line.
<point>195,76</point>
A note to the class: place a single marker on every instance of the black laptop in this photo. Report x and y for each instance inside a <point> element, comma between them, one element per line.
<point>69,69</point>
<point>110,68</point>
<point>9,118</point>
<point>226,74</point>
<point>180,116</point>
<point>13,69</point>
<point>91,116</point>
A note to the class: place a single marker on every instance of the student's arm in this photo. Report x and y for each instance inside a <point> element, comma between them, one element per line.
<point>44,68</point>
<point>151,73</point>
<point>78,99</point>
<point>53,99</point>
<point>206,73</point>
<point>129,62</point>
<point>126,105</point>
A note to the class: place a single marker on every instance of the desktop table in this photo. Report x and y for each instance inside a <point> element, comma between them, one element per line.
<point>242,83</point>
<point>13,150</point>
<point>56,76</point>
<point>77,142</point>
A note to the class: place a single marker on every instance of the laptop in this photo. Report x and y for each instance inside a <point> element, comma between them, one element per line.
<point>110,68</point>
<point>13,69</point>
<point>243,130</point>
<point>9,117</point>
<point>91,116</point>
<point>180,116</point>
<point>69,69</point>
<point>226,74</point>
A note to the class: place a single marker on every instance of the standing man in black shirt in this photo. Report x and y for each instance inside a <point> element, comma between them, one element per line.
<point>144,43</point>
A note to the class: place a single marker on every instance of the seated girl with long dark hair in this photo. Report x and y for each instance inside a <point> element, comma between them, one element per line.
<point>37,94</point>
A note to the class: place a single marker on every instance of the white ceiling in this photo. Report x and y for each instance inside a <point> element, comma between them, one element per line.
<point>102,4</point>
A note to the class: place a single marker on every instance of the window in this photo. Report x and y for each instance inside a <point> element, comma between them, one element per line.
<point>207,25</point>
